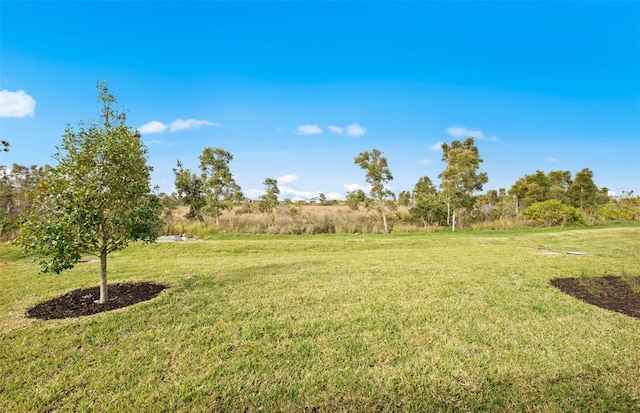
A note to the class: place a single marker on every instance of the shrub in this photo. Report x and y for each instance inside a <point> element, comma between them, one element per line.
<point>553,213</point>
<point>624,209</point>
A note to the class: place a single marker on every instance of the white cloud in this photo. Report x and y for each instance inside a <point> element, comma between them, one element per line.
<point>426,161</point>
<point>309,129</point>
<point>152,127</point>
<point>297,194</point>
<point>355,130</point>
<point>181,124</point>
<point>287,178</point>
<point>550,159</point>
<point>353,187</point>
<point>16,104</point>
<point>334,195</point>
<point>436,146</point>
<point>336,129</point>
<point>462,132</point>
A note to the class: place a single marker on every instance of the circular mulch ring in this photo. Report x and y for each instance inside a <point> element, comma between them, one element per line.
<point>79,303</point>
<point>608,292</point>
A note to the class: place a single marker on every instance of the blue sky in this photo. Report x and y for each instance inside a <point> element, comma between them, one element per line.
<point>296,90</point>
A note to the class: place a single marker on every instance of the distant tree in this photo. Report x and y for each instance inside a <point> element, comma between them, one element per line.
<point>189,187</point>
<point>559,183</point>
<point>460,177</point>
<point>531,189</point>
<point>355,198</point>
<point>18,188</point>
<point>404,198</point>
<point>583,192</point>
<point>427,207</point>
<point>220,188</point>
<point>169,204</point>
<point>97,198</point>
<point>323,198</point>
<point>603,196</point>
<point>269,200</point>
<point>378,176</point>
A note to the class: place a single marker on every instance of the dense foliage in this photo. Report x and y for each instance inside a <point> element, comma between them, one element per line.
<point>96,199</point>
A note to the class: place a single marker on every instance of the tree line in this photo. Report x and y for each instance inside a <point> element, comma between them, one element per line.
<point>554,198</point>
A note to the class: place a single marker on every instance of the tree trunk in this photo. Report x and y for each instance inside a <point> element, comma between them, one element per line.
<point>384,221</point>
<point>103,275</point>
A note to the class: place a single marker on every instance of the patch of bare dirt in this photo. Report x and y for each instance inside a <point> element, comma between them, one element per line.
<point>79,303</point>
<point>608,292</point>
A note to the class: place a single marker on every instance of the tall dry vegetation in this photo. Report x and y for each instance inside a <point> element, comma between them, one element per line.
<point>287,218</point>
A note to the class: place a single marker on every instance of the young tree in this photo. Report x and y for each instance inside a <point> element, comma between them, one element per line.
<point>190,191</point>
<point>220,189</point>
<point>378,176</point>
<point>460,177</point>
<point>269,200</point>
<point>97,198</point>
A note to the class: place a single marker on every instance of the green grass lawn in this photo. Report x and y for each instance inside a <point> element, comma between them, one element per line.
<point>421,322</point>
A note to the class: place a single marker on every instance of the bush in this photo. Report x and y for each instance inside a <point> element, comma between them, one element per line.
<point>624,209</point>
<point>553,213</point>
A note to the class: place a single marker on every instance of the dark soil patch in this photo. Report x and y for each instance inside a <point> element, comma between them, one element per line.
<point>80,303</point>
<point>608,292</point>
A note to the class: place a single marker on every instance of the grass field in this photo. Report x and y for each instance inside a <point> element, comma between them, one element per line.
<point>419,322</point>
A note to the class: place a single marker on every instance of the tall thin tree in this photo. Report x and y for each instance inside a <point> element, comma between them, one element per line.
<point>378,176</point>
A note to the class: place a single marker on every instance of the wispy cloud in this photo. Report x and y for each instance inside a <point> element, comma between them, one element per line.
<point>309,129</point>
<point>157,142</point>
<point>179,124</point>
<point>351,130</point>
<point>16,104</point>
<point>436,146</point>
<point>459,132</point>
<point>426,161</point>
<point>550,159</point>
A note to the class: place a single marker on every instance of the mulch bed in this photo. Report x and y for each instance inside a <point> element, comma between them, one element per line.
<point>608,292</point>
<point>80,303</point>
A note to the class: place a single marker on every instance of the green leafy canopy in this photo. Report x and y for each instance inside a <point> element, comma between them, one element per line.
<point>97,198</point>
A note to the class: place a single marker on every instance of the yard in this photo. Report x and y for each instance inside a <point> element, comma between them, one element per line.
<point>464,321</point>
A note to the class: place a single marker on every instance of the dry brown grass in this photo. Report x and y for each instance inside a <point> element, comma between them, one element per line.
<point>290,218</point>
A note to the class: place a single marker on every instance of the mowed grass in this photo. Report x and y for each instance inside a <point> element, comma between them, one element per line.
<point>421,322</point>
